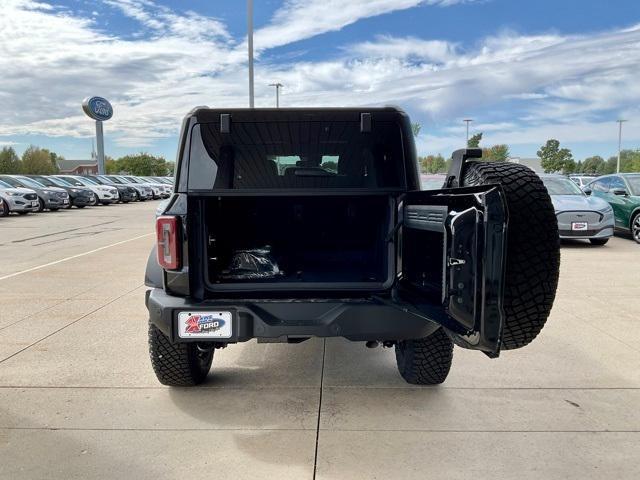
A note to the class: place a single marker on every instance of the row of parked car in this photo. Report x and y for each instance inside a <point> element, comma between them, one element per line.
<point>23,194</point>
<point>587,207</point>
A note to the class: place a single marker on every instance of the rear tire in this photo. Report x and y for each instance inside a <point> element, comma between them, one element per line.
<point>533,248</point>
<point>177,364</point>
<point>425,361</point>
<point>598,241</point>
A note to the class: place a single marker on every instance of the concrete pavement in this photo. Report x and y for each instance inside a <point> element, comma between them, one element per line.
<point>78,398</point>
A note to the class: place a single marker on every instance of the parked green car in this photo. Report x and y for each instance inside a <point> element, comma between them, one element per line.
<point>622,191</point>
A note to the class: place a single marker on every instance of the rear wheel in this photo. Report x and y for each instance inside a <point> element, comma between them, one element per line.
<point>177,364</point>
<point>635,227</point>
<point>533,248</point>
<point>598,241</point>
<point>425,361</point>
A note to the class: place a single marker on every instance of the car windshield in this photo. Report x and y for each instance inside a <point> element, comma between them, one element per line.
<point>44,181</point>
<point>133,180</point>
<point>74,181</point>
<point>4,184</point>
<point>634,183</point>
<point>59,182</point>
<point>29,182</point>
<point>12,182</point>
<point>105,180</point>
<point>116,180</point>
<point>89,181</point>
<point>561,186</point>
<point>96,180</point>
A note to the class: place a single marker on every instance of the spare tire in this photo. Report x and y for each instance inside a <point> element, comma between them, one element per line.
<point>533,248</point>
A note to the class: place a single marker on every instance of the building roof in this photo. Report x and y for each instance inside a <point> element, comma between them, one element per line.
<point>72,164</point>
<point>533,163</point>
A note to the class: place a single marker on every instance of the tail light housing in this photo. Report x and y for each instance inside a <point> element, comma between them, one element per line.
<point>168,237</point>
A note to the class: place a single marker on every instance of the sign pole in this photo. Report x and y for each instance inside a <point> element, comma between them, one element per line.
<point>100,110</point>
<point>100,142</point>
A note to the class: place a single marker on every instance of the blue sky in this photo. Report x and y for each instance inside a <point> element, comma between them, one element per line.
<point>525,71</point>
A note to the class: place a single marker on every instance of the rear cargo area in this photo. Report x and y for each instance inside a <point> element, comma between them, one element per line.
<point>308,241</point>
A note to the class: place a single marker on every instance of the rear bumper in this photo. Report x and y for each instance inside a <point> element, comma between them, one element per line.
<point>357,319</point>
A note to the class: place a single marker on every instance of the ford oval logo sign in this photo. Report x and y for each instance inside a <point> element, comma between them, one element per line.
<point>97,108</point>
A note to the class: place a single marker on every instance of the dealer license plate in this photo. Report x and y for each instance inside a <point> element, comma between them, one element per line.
<point>34,203</point>
<point>65,202</point>
<point>204,324</point>
<point>579,226</point>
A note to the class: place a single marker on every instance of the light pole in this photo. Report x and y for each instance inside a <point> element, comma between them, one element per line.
<point>467,121</point>
<point>278,86</point>
<point>250,48</point>
<point>620,122</point>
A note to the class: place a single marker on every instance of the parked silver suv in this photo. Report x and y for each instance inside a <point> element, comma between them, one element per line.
<point>19,200</point>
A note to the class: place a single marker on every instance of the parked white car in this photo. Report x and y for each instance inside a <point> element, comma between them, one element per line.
<point>19,200</point>
<point>105,193</point>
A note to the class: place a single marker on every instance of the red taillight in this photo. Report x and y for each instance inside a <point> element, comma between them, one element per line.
<point>167,236</point>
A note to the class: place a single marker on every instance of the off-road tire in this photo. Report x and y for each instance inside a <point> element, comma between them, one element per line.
<point>425,361</point>
<point>598,241</point>
<point>177,364</point>
<point>533,248</point>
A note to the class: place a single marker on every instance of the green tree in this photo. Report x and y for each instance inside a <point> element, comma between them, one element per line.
<point>143,164</point>
<point>39,161</point>
<point>497,153</point>
<point>432,164</point>
<point>474,141</point>
<point>591,165</point>
<point>556,159</point>
<point>9,161</point>
<point>416,127</point>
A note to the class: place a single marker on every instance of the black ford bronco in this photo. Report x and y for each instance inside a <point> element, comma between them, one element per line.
<point>288,224</point>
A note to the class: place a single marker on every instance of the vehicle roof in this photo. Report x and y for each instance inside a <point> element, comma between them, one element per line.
<point>205,114</point>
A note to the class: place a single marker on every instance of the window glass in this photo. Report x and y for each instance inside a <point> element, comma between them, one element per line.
<point>12,181</point>
<point>601,185</point>
<point>617,182</point>
<point>634,182</point>
<point>305,154</point>
<point>561,186</point>
<point>28,182</point>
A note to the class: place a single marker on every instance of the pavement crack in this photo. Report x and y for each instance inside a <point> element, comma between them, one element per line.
<point>315,455</point>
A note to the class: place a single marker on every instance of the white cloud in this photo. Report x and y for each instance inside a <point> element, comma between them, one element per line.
<point>436,51</point>
<point>165,21</point>
<point>300,19</point>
